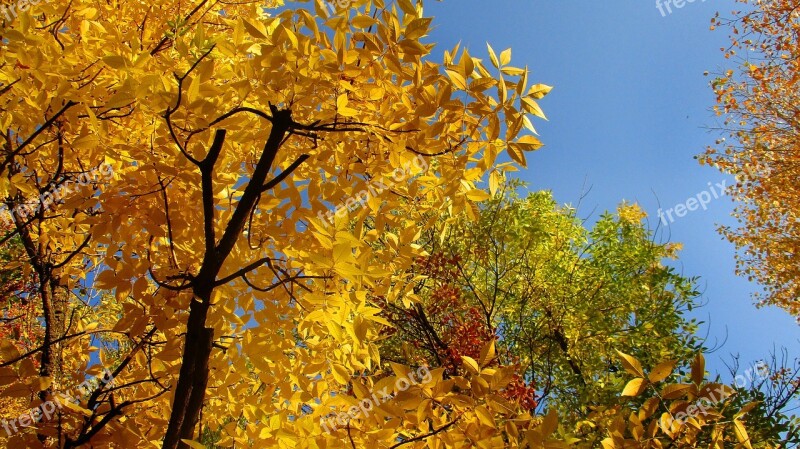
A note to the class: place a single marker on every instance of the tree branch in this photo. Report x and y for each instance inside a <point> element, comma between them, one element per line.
<point>427,435</point>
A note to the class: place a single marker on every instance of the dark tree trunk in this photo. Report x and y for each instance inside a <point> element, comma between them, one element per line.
<point>193,378</point>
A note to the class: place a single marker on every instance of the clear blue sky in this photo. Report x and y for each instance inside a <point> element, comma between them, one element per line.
<point>629,111</point>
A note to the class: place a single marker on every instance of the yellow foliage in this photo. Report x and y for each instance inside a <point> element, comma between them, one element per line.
<point>232,283</point>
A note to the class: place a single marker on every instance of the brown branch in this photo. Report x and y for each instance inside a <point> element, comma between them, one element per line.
<point>93,398</point>
<point>207,185</point>
<point>170,234</point>
<point>248,268</point>
<point>284,174</point>
<point>427,435</point>
<point>88,431</point>
<point>47,124</point>
<point>235,111</point>
<point>171,110</point>
<point>74,253</point>
<point>166,39</point>
<point>350,436</point>
<point>8,87</point>
<point>281,124</point>
<point>52,342</point>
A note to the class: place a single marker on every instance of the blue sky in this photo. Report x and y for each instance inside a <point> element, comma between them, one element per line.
<point>629,111</point>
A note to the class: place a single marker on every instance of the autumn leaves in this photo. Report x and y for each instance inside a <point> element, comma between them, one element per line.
<point>10,12</point>
<point>57,194</point>
<point>758,101</point>
<point>48,410</point>
<point>693,404</point>
<point>239,313</point>
<point>370,403</point>
<point>375,187</point>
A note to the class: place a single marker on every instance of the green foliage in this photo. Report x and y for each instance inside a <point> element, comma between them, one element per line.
<point>575,312</point>
<point>565,297</point>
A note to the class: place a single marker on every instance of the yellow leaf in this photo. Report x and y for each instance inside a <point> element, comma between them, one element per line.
<point>505,56</point>
<point>675,391</point>
<point>532,107</point>
<point>341,101</point>
<point>749,406</point>
<point>635,387</point>
<point>538,91</point>
<point>549,423</point>
<point>698,369</point>
<point>41,383</point>
<point>340,373</point>
<point>648,408</point>
<point>741,433</point>
<point>457,79</point>
<point>516,154</point>
<point>512,71</point>
<point>481,84</point>
<point>7,376</point>
<point>488,353</point>
<point>115,62</point>
<point>88,13</point>
<point>106,280</point>
<point>529,143</point>
<point>662,371</point>
<point>193,444</point>
<point>341,106</point>
<point>418,28</point>
<point>412,47</point>
<point>484,416</point>
<point>494,182</point>
<point>631,365</point>
<point>493,56</point>
<point>291,36</point>
<point>608,443</point>
<point>8,351</point>
<point>193,92</point>
<point>255,29</point>
<point>363,21</point>
<point>470,364</point>
<point>122,97</point>
<point>477,195</point>
<point>401,371</point>
<point>407,7</point>
<point>17,390</point>
<point>86,142</point>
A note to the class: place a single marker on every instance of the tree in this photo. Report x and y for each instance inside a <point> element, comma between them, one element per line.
<point>268,174</point>
<point>560,298</point>
<point>774,386</point>
<point>527,288</point>
<point>759,101</point>
<point>231,133</point>
<point>18,325</point>
<point>19,329</point>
